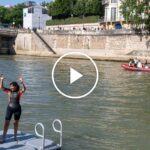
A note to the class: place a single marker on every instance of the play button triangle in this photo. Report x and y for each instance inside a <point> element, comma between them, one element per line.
<point>74,75</point>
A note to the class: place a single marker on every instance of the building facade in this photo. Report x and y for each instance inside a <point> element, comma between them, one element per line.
<point>35,17</point>
<point>112,10</point>
<point>113,17</point>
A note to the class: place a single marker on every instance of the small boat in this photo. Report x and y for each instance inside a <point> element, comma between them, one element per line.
<point>27,141</point>
<point>133,68</point>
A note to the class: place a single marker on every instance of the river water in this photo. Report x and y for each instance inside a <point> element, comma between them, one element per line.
<point>115,116</point>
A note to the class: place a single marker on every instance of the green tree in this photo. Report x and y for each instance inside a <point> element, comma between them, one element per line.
<point>135,12</point>
<point>60,8</point>
<point>94,7</point>
<point>80,8</point>
<point>72,5</point>
<point>57,9</point>
<point>66,8</point>
<point>17,14</point>
<point>89,7</point>
<point>50,8</point>
<point>3,15</point>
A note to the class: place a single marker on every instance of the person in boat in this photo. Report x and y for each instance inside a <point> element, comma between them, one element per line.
<point>139,64</point>
<point>146,64</point>
<point>14,93</point>
<point>131,62</point>
<point>135,62</point>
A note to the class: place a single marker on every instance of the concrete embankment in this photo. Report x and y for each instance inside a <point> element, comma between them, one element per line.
<point>104,45</point>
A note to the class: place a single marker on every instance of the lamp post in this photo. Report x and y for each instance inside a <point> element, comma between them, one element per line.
<point>127,11</point>
<point>106,13</point>
<point>13,23</point>
<point>39,22</point>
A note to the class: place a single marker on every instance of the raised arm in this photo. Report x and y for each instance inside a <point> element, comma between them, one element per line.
<point>2,85</point>
<point>23,87</point>
<point>1,81</point>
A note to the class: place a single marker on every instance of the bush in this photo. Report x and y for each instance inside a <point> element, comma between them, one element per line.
<point>73,20</point>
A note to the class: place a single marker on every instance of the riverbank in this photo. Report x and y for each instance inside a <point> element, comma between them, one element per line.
<point>117,58</point>
<point>117,45</point>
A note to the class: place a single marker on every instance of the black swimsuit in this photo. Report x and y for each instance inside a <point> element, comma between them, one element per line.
<point>10,111</point>
<point>14,106</point>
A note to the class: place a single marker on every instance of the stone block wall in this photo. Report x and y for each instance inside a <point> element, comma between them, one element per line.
<point>93,45</point>
<point>30,44</point>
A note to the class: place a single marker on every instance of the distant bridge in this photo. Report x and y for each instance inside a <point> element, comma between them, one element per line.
<point>8,32</point>
<point>7,40</point>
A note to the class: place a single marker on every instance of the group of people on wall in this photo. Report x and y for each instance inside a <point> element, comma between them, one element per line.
<point>134,62</point>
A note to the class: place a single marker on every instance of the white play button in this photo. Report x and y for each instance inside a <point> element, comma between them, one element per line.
<point>73,80</point>
<point>74,75</point>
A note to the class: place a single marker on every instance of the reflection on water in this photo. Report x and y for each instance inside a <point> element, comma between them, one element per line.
<point>113,117</point>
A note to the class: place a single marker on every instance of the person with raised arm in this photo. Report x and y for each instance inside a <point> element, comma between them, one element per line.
<point>14,93</point>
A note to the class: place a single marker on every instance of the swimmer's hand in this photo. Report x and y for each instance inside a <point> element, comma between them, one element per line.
<point>2,77</point>
<point>21,80</point>
<point>23,86</point>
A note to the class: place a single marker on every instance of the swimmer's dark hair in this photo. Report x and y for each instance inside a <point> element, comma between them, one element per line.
<point>16,85</point>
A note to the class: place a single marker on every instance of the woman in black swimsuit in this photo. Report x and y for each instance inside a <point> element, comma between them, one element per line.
<point>14,108</point>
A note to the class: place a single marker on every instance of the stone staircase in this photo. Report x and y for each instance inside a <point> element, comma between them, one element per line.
<point>43,42</point>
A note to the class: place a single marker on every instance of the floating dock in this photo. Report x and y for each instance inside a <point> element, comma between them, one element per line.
<point>27,141</point>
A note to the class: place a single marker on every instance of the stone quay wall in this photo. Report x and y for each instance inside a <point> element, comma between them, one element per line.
<point>101,44</point>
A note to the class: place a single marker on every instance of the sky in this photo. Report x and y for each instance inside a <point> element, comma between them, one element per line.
<point>14,2</point>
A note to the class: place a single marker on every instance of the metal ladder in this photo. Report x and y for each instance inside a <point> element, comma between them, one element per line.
<point>42,135</point>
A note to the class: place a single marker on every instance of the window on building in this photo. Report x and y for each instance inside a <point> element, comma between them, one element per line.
<point>44,11</point>
<point>114,1</point>
<point>106,14</point>
<point>113,14</point>
<point>31,10</point>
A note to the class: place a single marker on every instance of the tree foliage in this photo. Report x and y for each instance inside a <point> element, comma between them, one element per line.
<point>58,9</point>
<point>79,8</point>
<point>136,12</point>
<point>4,15</point>
<point>17,14</point>
<point>67,8</point>
<point>12,15</point>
